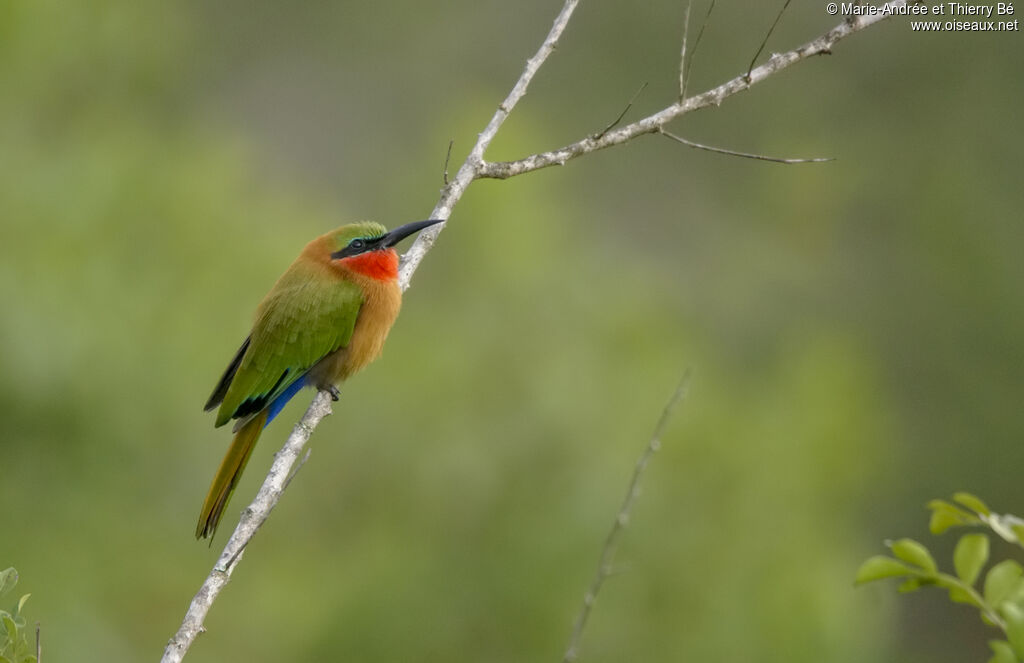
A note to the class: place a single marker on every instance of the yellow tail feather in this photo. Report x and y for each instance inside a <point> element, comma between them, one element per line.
<point>228,473</point>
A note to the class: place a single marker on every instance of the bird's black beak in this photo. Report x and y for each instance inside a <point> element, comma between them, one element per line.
<point>401,232</point>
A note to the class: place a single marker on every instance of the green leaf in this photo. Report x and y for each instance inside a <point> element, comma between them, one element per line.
<point>4,659</point>
<point>1018,531</point>
<point>970,556</point>
<point>8,579</point>
<point>961,595</point>
<point>12,628</point>
<point>946,515</point>
<point>913,552</point>
<point>880,566</point>
<point>936,505</point>
<point>21,603</point>
<point>1002,581</point>
<point>909,585</point>
<point>1002,652</point>
<point>942,520</point>
<point>971,502</point>
<point>1014,616</point>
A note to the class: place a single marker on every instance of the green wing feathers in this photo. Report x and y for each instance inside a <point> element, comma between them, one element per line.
<point>307,315</point>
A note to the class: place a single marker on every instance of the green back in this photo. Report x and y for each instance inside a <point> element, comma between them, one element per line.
<point>307,315</point>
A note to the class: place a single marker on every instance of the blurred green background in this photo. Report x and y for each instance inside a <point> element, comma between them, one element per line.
<point>854,328</point>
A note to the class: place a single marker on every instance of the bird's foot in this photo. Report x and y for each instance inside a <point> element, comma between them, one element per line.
<point>333,391</point>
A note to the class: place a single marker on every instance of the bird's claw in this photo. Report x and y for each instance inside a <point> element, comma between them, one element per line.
<point>333,391</point>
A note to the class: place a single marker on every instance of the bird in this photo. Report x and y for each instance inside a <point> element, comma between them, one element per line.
<point>325,319</point>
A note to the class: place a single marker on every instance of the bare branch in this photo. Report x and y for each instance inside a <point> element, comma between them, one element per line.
<point>714,97</point>
<point>253,517</point>
<point>745,155</point>
<point>604,564</point>
<point>767,37</point>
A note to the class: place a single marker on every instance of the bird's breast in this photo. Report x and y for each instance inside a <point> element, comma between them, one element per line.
<point>381,302</point>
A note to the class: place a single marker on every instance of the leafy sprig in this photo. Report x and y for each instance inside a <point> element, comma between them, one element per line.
<point>14,644</point>
<point>1000,598</point>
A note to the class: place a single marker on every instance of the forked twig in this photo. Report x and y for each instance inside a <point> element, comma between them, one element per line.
<point>713,97</point>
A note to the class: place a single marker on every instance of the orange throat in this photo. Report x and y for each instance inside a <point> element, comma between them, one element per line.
<point>379,265</point>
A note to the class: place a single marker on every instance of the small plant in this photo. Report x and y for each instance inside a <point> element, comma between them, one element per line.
<point>14,646</point>
<point>1000,600</point>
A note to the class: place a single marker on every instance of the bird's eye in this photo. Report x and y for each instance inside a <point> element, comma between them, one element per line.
<point>356,244</point>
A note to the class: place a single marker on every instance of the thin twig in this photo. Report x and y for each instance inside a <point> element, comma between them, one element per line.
<point>447,158</point>
<point>298,467</point>
<point>734,153</point>
<point>39,646</point>
<point>682,52</point>
<point>604,565</point>
<point>767,37</point>
<point>693,54</point>
<point>614,123</point>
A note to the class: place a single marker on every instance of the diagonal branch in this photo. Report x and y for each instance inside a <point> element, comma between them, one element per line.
<point>714,97</point>
<point>611,542</point>
<point>252,518</point>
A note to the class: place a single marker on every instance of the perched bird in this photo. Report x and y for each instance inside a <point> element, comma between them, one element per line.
<point>324,319</point>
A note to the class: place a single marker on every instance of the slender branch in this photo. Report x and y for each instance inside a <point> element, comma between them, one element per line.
<point>714,97</point>
<point>252,518</point>
<point>604,564</point>
<point>734,153</point>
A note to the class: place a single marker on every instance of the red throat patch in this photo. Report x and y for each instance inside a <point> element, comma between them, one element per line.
<point>380,265</point>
